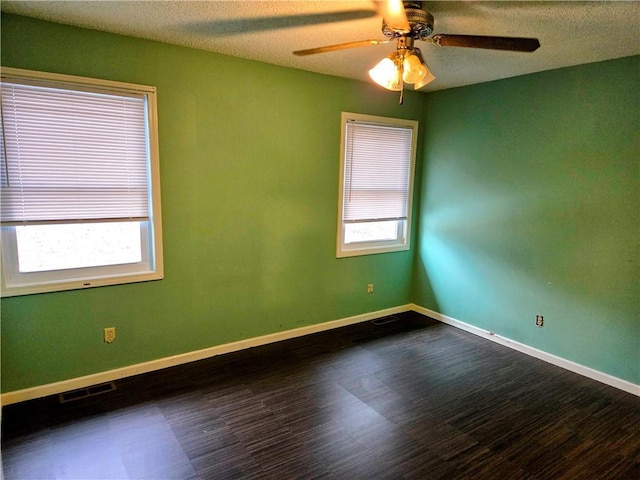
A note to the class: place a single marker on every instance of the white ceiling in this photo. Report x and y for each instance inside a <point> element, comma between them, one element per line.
<point>570,33</point>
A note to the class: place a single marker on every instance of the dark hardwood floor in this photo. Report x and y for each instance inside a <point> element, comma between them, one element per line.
<point>412,399</point>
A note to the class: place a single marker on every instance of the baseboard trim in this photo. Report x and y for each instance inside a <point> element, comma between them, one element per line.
<point>172,361</point>
<point>175,360</point>
<point>597,375</point>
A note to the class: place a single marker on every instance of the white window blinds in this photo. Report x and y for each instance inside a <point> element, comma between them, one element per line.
<point>377,172</point>
<point>70,155</point>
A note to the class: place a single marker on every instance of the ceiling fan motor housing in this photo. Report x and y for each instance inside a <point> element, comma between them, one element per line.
<point>420,20</point>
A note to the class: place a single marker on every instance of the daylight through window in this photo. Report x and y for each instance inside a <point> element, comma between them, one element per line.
<point>376,183</point>
<point>79,183</point>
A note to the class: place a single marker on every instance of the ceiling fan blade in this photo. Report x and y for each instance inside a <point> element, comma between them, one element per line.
<point>514,44</point>
<point>237,26</point>
<point>394,15</point>
<point>339,46</point>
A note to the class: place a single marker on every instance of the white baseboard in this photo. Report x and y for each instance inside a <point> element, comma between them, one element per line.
<point>534,352</point>
<point>172,361</point>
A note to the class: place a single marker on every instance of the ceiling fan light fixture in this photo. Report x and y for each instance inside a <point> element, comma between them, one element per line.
<point>406,22</point>
<point>387,73</point>
<point>427,78</point>
<point>414,70</point>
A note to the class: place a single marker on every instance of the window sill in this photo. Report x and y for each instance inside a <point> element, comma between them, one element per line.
<point>50,287</point>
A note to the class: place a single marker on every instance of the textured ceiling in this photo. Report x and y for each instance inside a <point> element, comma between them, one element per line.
<point>570,33</point>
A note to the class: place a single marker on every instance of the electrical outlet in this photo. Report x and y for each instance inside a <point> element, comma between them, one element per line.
<point>539,321</point>
<point>370,288</point>
<point>109,334</point>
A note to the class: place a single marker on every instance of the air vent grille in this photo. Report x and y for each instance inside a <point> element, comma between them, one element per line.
<point>86,392</point>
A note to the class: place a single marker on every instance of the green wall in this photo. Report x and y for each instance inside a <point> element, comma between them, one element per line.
<point>527,198</point>
<point>530,205</point>
<point>249,156</point>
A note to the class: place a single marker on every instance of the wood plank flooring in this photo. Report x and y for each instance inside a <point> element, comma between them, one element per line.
<point>411,399</point>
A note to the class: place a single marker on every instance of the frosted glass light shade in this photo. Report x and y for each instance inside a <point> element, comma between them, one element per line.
<point>414,71</point>
<point>387,74</point>
<point>427,78</point>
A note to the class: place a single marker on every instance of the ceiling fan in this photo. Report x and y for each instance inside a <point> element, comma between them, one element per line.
<point>406,22</point>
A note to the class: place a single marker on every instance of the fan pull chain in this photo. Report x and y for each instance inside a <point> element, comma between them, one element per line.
<point>401,68</point>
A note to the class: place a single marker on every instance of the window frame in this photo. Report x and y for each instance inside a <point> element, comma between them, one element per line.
<point>15,283</point>
<point>402,242</point>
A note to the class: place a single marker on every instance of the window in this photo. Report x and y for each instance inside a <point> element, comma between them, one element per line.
<point>376,183</point>
<point>79,183</point>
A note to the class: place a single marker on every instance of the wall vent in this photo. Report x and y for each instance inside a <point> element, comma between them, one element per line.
<point>86,392</point>
<point>385,320</point>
